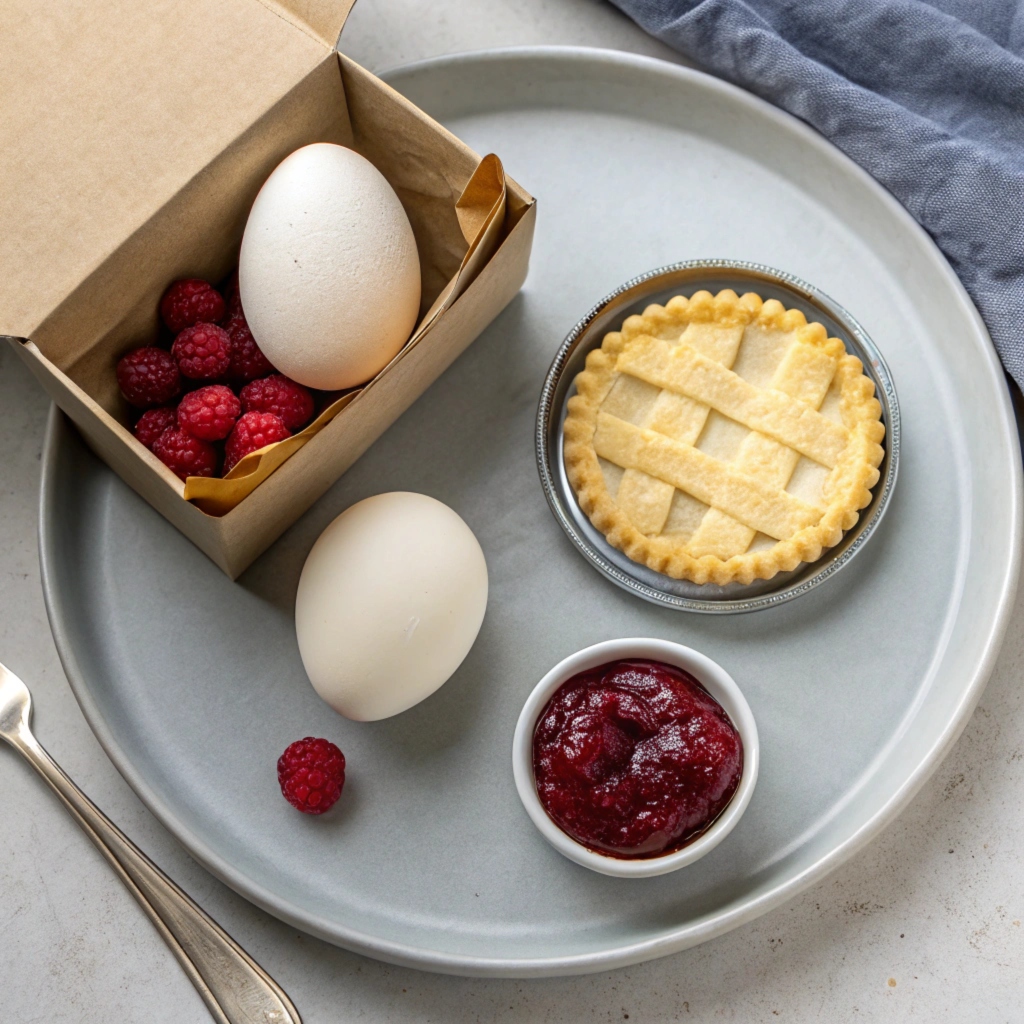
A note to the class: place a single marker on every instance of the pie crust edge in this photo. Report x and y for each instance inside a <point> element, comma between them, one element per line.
<point>847,489</point>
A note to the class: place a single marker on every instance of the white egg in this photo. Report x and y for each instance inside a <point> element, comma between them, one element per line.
<point>329,275</point>
<point>390,601</point>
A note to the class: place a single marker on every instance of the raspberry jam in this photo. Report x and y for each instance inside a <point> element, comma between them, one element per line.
<point>635,758</point>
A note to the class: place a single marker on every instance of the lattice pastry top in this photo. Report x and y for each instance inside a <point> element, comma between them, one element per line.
<point>720,439</point>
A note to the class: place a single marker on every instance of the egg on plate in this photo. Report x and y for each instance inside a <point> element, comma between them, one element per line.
<point>390,601</point>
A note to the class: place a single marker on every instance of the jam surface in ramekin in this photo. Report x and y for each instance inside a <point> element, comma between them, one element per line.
<point>635,758</point>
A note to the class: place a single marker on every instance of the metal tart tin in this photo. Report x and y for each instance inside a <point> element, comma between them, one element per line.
<point>658,286</point>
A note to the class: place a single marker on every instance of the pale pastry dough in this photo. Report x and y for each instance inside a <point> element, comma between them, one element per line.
<point>723,438</point>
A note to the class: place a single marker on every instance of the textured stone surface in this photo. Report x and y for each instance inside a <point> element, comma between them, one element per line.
<point>923,925</point>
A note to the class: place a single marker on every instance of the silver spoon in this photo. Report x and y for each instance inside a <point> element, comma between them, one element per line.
<point>234,987</point>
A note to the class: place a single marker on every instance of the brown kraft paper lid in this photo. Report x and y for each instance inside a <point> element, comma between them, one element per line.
<point>110,107</point>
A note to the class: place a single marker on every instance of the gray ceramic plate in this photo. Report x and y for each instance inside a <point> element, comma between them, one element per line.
<point>608,315</point>
<point>194,685</point>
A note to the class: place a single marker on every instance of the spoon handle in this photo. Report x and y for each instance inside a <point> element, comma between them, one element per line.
<point>234,987</point>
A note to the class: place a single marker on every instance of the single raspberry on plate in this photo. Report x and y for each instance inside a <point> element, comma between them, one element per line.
<point>153,422</point>
<point>232,296</point>
<point>203,352</point>
<point>148,376</point>
<point>254,430</point>
<point>311,773</point>
<point>209,413</point>
<point>191,302</point>
<point>280,395</point>
<point>247,360</point>
<point>184,454</point>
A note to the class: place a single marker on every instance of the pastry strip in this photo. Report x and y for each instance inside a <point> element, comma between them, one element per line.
<point>685,371</point>
<point>645,499</point>
<point>806,371</point>
<point>765,509</point>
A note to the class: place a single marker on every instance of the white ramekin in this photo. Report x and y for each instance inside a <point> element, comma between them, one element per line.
<point>711,676</point>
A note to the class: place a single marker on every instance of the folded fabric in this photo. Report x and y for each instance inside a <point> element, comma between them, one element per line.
<point>926,95</point>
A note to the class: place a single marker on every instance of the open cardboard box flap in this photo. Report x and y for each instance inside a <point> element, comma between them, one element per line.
<point>323,18</point>
<point>110,107</point>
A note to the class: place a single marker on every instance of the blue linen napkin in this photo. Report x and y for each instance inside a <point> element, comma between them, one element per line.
<point>926,95</point>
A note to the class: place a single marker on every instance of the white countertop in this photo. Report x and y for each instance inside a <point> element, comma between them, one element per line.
<point>924,925</point>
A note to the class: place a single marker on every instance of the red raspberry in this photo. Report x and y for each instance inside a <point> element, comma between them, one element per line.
<point>247,360</point>
<point>280,395</point>
<point>191,302</point>
<point>209,413</point>
<point>203,352</point>
<point>253,431</point>
<point>148,376</point>
<point>153,423</point>
<point>184,454</point>
<point>311,773</point>
<point>232,296</point>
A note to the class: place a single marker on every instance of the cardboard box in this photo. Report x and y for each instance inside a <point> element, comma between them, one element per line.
<point>135,138</point>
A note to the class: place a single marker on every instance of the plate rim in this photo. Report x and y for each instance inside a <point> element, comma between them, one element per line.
<point>699,929</point>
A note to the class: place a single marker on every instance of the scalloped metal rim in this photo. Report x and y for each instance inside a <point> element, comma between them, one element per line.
<point>559,496</point>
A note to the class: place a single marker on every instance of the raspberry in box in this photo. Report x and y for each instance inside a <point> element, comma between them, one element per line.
<point>135,138</point>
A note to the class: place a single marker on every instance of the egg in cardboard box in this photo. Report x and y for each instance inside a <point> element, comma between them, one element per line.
<point>329,274</point>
